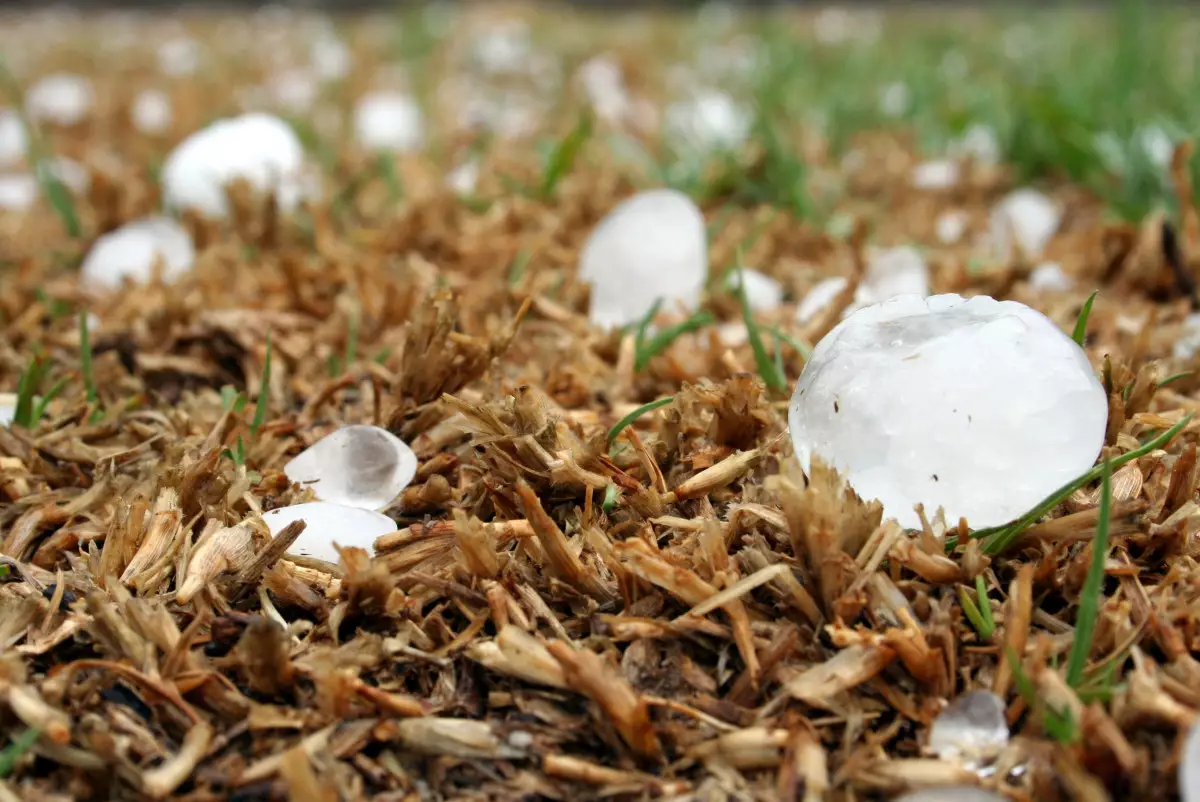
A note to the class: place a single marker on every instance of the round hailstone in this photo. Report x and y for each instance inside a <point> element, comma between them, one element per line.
<point>258,148</point>
<point>951,225</point>
<point>1156,144</point>
<point>762,292</point>
<point>973,727</point>
<point>605,88</point>
<point>359,466</point>
<point>327,523</point>
<point>1029,216</point>
<point>14,142</point>
<point>1050,277</point>
<point>388,121</point>
<point>819,297</point>
<point>710,120</point>
<point>952,793</point>
<point>1189,766</point>
<point>151,112</point>
<point>935,175</point>
<point>134,250</point>
<point>504,48</point>
<point>650,247</point>
<point>18,192</point>
<point>891,272</point>
<point>463,179</point>
<point>979,406</point>
<point>61,98</point>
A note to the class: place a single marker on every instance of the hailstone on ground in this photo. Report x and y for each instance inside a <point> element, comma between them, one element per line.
<point>18,192</point>
<point>1050,277</point>
<point>937,174</point>
<point>650,247</point>
<point>1024,219</point>
<point>978,406</point>
<point>359,466</point>
<point>709,120</point>
<point>8,408</point>
<point>820,296</point>
<point>258,148</point>
<point>763,293</point>
<point>151,111</point>
<point>1189,338</point>
<point>1189,766</point>
<point>952,793</point>
<point>133,250</point>
<point>61,98</point>
<point>388,121</point>
<point>891,272</point>
<point>327,524</point>
<point>14,142</point>
<point>951,225</point>
<point>972,728</point>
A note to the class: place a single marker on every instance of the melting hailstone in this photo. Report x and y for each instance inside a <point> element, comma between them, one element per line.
<point>819,297</point>
<point>935,175</point>
<point>1050,277</point>
<point>388,121</point>
<point>952,793</point>
<point>762,292</point>
<point>1189,766</point>
<point>358,466</point>
<point>972,728</point>
<point>709,120</point>
<point>151,111</point>
<point>1024,219</point>
<point>8,408</point>
<point>1189,338</point>
<point>258,148</point>
<point>18,192</point>
<point>951,225</point>
<point>326,524</point>
<point>979,406</point>
<point>133,250</point>
<point>891,272</point>
<point>61,98</point>
<point>650,247</point>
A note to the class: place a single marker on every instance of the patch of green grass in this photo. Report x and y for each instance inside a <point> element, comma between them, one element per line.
<point>31,405</point>
<point>1059,725</point>
<point>772,374</point>
<point>517,269</point>
<point>648,348</point>
<point>264,394</point>
<point>1173,378</point>
<point>562,157</point>
<point>19,746</point>
<point>1093,586</point>
<point>637,413</point>
<point>385,165</point>
<point>1079,335</point>
<point>85,365</point>
<point>974,614</point>
<point>610,498</point>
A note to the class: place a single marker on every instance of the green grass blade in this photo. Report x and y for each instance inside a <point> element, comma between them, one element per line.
<point>264,394</point>
<point>39,408</point>
<point>1080,333</point>
<point>644,324</point>
<point>386,165</point>
<point>1173,378</point>
<point>563,157</point>
<point>352,340</point>
<point>13,752</point>
<point>1093,587</point>
<point>1058,725</point>
<point>971,611</point>
<point>772,377</point>
<point>610,498</point>
<point>517,269</point>
<point>651,348</point>
<point>985,607</point>
<point>637,413</point>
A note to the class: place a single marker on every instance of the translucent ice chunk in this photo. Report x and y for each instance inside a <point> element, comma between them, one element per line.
<point>650,247</point>
<point>951,225</point>
<point>762,292</point>
<point>151,111</point>
<point>819,297</point>
<point>359,466</point>
<point>1050,277</point>
<point>971,728</point>
<point>133,250</point>
<point>980,406</point>
<point>326,524</point>
<point>18,192</point>
<point>891,272</point>
<point>1025,218</point>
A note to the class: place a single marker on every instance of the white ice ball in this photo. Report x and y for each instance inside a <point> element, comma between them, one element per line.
<point>133,250</point>
<point>179,56</point>
<point>61,98</point>
<point>327,523</point>
<point>891,272</point>
<point>650,247</point>
<point>763,293</point>
<point>1189,766</point>
<point>709,120</point>
<point>980,406</point>
<point>14,141</point>
<point>820,296</point>
<point>1025,218</point>
<point>388,121</point>
<point>151,112</point>
<point>1050,277</point>
<point>951,225</point>
<point>935,175</point>
<point>18,192</point>
<point>359,466</point>
<point>258,148</point>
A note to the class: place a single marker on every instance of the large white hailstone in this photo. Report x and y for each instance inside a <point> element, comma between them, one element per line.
<point>61,98</point>
<point>895,99</point>
<point>763,293</point>
<point>937,174</point>
<point>14,141</point>
<point>359,466</point>
<point>327,524</point>
<point>820,296</point>
<point>1189,766</point>
<point>18,192</point>
<point>134,250</point>
<point>709,120</point>
<point>1050,277</point>
<point>979,406</point>
<point>651,247</point>
<point>952,793</point>
<point>179,56</point>
<point>1188,343</point>
<point>951,225</point>
<point>388,121</point>
<point>258,148</point>
<point>891,272</point>
<point>151,112</point>
<point>1025,218</point>
<point>972,728</point>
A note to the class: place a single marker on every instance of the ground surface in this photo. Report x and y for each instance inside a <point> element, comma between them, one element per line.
<point>526,633</point>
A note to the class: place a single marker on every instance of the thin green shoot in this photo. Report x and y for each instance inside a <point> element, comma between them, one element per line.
<point>352,339</point>
<point>973,614</point>
<point>985,606</point>
<point>54,307</point>
<point>1080,333</point>
<point>4,571</point>
<point>637,413</point>
<point>610,498</point>
<point>1000,538</point>
<point>42,403</point>
<point>778,351</point>
<point>772,377</point>
<point>647,349</point>
<point>641,327</point>
<point>517,269</point>
<point>801,348</point>
<point>1059,725</point>
<point>1093,586</point>
<point>386,165</point>
<point>566,151</point>
<point>232,400</point>
<point>264,394</point>
<point>28,384</point>
<point>237,454</point>
<point>1173,378</point>
<point>382,357</point>
<point>19,746</point>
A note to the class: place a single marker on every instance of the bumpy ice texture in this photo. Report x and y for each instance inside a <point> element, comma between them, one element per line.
<point>980,406</point>
<point>327,524</point>
<point>650,246</point>
<point>359,466</point>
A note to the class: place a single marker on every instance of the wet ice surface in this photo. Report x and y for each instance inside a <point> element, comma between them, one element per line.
<point>971,728</point>
<point>650,247</point>
<point>359,466</point>
<point>979,406</point>
<point>327,524</point>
